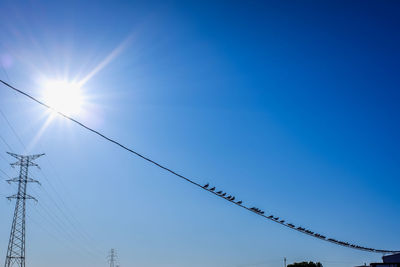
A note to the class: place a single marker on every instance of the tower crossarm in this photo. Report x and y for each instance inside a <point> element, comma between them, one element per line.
<point>24,162</point>
<point>30,157</point>
<point>25,197</point>
<point>18,179</point>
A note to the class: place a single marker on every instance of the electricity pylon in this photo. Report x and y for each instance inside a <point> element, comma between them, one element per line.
<point>112,258</point>
<point>16,244</point>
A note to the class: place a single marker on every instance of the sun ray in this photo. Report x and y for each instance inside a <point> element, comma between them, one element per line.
<point>106,60</point>
<point>39,134</point>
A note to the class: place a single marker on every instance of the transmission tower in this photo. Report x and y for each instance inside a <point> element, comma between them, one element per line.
<point>16,244</point>
<point>112,258</point>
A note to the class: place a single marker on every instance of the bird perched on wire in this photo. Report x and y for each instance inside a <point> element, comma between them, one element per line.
<point>224,194</point>
<point>240,202</point>
<point>257,209</point>
<point>219,192</point>
<point>212,189</point>
<point>233,198</point>
<point>205,186</point>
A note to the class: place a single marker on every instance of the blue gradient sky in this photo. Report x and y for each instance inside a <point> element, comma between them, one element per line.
<point>292,106</point>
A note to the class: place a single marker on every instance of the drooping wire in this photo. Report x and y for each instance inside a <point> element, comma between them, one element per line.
<point>3,172</point>
<point>47,216</point>
<point>66,220</point>
<point>12,129</point>
<point>64,209</point>
<point>253,209</point>
<point>46,230</point>
<point>5,72</point>
<point>5,142</point>
<point>3,158</point>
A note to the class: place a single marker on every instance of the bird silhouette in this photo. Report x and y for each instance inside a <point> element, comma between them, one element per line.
<point>233,198</point>
<point>206,186</point>
<point>224,194</point>
<point>212,189</point>
<point>240,202</point>
<point>219,192</point>
<point>229,197</point>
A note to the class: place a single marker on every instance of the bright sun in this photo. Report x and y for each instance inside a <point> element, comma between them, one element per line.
<point>63,96</point>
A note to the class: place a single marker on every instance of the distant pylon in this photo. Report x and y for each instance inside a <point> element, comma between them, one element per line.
<point>16,244</point>
<point>112,258</point>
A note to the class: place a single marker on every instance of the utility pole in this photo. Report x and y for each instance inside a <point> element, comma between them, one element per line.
<point>112,258</point>
<point>284,261</point>
<point>16,244</point>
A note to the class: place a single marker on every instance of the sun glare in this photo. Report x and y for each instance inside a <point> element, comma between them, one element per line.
<point>63,96</point>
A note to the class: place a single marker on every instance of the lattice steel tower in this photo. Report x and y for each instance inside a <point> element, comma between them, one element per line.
<point>112,258</point>
<point>16,244</point>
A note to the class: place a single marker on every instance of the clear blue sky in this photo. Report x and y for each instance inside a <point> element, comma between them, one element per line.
<point>292,106</point>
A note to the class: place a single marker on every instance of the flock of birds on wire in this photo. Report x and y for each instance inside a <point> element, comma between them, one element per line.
<point>290,225</point>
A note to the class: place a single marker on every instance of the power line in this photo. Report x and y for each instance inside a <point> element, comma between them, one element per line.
<point>3,158</point>
<point>211,190</point>
<point>5,71</point>
<point>66,211</point>
<point>63,222</point>
<point>70,225</point>
<point>3,172</point>
<point>62,234</point>
<point>5,142</point>
<point>59,241</point>
<point>62,228</point>
<point>5,118</point>
<point>12,129</point>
